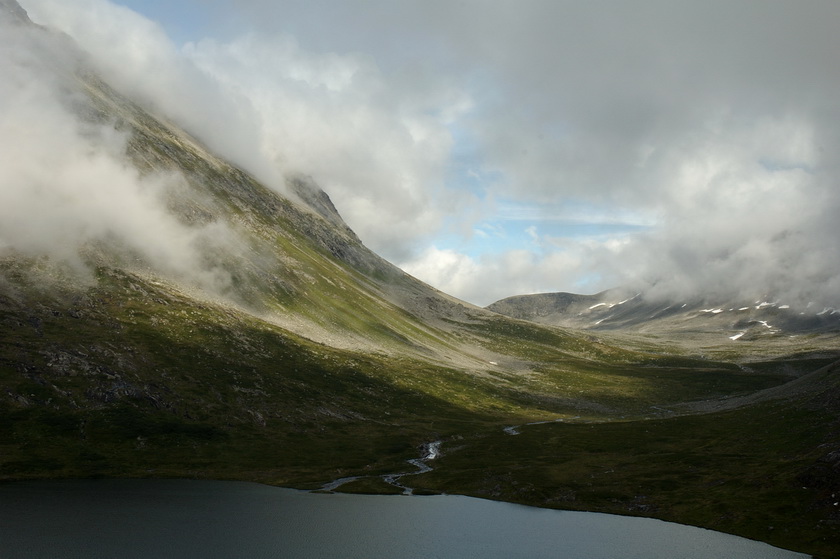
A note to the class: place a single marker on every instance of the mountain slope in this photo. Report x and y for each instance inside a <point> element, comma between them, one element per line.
<point>111,325</point>
<point>257,338</point>
<point>716,321</point>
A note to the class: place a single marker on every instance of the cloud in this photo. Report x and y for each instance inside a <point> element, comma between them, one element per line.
<point>486,279</point>
<point>747,212</point>
<point>711,125</point>
<point>714,123</point>
<point>378,144</point>
<point>135,55</point>
<point>66,187</point>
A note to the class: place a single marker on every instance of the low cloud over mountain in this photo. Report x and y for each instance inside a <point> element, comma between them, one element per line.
<point>67,189</point>
<point>697,144</point>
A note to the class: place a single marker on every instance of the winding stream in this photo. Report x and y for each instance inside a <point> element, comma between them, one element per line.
<point>430,451</point>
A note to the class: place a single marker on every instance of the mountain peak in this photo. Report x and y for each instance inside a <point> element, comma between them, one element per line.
<point>308,192</point>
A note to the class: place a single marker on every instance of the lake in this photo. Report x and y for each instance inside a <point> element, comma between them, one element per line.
<point>213,519</point>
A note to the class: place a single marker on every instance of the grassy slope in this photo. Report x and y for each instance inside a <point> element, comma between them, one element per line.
<point>133,377</point>
<point>769,471</point>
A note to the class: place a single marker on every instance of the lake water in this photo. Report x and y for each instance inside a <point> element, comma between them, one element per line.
<point>210,519</point>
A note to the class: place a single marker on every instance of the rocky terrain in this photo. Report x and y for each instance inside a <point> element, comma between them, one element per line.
<point>622,310</point>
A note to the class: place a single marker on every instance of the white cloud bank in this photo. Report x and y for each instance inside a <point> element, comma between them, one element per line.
<point>715,121</point>
<point>65,184</point>
<point>489,279</point>
<point>379,145</point>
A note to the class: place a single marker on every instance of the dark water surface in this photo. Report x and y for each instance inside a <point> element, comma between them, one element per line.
<point>211,519</point>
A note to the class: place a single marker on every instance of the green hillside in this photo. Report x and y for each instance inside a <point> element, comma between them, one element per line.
<point>293,355</point>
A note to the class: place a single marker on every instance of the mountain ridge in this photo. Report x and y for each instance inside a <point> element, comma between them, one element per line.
<point>618,309</point>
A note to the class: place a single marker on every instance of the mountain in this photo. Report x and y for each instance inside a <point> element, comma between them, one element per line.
<point>257,318</point>
<point>619,310</point>
<point>240,330</point>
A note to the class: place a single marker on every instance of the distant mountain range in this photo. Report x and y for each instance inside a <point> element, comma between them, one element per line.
<point>262,340</point>
<point>619,310</point>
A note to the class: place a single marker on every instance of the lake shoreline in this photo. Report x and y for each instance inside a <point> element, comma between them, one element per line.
<point>361,490</point>
<point>186,500</point>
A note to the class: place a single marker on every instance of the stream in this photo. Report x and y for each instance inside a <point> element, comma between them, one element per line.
<point>430,451</point>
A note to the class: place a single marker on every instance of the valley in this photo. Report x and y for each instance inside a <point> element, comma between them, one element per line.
<point>260,340</point>
<point>133,378</point>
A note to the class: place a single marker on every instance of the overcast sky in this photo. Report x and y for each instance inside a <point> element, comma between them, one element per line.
<point>494,148</point>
